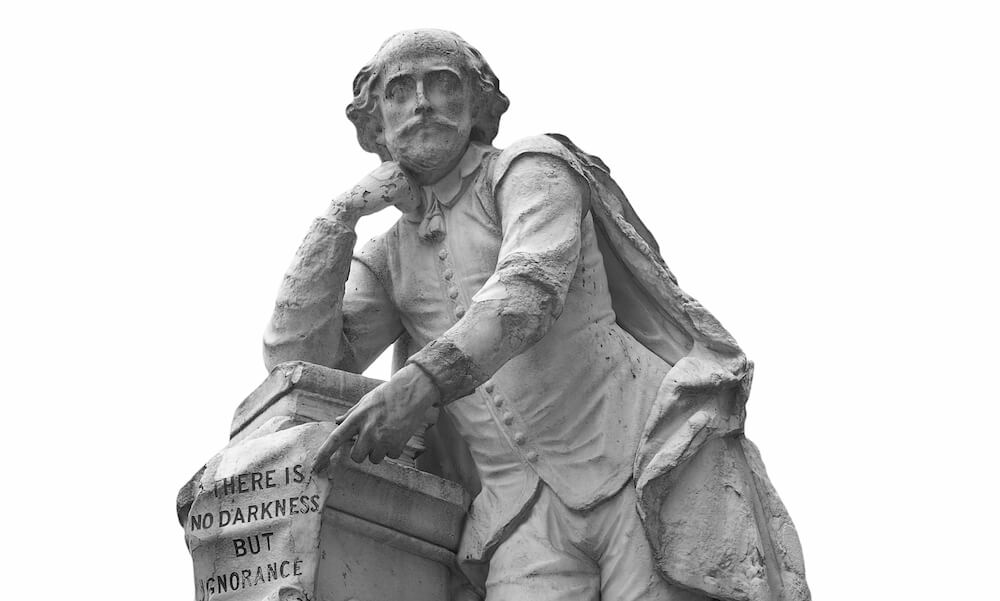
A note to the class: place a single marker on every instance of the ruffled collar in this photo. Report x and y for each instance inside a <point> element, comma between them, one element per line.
<point>445,192</point>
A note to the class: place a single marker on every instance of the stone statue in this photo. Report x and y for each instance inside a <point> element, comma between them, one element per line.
<point>595,409</point>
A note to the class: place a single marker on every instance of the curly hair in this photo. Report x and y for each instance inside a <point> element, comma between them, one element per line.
<point>489,102</point>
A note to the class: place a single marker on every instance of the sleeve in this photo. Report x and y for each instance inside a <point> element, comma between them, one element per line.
<point>540,202</point>
<point>371,321</point>
<point>331,308</point>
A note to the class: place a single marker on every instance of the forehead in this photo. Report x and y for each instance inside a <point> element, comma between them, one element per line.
<point>412,63</point>
<point>421,50</point>
<point>417,65</point>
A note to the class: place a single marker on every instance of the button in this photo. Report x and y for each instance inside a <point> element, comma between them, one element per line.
<point>459,312</point>
<point>498,401</point>
<point>453,293</point>
<point>488,387</point>
<point>508,419</point>
<point>532,456</point>
<point>448,274</point>
<point>519,438</point>
<point>443,254</point>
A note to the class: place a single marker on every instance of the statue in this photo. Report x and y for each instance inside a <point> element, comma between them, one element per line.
<point>596,409</point>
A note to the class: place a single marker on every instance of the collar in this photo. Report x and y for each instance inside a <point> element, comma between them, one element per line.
<point>447,189</point>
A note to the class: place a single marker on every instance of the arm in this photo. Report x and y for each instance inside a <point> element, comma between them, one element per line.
<point>330,311</point>
<point>540,202</point>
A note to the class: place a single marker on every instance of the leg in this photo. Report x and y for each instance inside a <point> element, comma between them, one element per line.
<point>628,571</point>
<point>540,562</point>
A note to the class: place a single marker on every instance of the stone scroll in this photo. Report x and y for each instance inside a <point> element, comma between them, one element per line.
<point>261,527</point>
<point>254,525</point>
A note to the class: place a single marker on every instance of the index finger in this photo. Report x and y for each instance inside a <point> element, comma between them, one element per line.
<point>340,435</point>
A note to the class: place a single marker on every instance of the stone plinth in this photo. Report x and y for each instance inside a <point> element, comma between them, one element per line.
<point>387,531</point>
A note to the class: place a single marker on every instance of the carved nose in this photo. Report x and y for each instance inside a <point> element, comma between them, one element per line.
<point>423,105</point>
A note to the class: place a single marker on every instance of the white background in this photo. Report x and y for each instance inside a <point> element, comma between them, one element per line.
<point>822,176</point>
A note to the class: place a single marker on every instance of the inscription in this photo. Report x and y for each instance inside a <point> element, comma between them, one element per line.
<point>250,482</point>
<point>247,514</point>
<point>237,580</point>
<point>255,558</point>
<point>252,544</point>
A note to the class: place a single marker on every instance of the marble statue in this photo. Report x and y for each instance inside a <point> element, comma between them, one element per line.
<point>592,407</point>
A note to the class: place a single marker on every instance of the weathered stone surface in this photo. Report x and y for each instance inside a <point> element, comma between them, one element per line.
<point>306,392</point>
<point>253,527</point>
<point>258,504</point>
<point>301,390</point>
<point>593,407</point>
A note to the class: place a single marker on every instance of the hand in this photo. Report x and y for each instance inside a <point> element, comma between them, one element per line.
<point>384,419</point>
<point>388,185</point>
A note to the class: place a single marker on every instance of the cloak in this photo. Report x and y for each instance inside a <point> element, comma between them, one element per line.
<point>710,512</point>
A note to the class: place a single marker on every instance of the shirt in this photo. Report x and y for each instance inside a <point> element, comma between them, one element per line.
<point>567,408</point>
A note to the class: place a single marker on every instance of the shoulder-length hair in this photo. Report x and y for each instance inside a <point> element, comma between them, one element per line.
<point>489,102</point>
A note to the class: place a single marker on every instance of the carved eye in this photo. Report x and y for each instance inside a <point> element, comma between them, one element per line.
<point>400,89</point>
<point>442,84</point>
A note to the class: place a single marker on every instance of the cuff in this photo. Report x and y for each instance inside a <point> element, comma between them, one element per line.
<point>452,371</point>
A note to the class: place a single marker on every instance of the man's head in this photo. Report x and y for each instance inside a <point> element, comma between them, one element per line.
<point>423,96</point>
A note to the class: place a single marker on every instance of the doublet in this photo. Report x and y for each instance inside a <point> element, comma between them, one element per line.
<point>569,410</point>
<point>569,359</point>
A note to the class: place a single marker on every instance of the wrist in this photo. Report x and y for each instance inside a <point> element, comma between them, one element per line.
<point>342,212</point>
<point>453,372</point>
<point>415,378</point>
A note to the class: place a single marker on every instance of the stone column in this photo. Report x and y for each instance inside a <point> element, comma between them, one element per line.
<point>385,532</point>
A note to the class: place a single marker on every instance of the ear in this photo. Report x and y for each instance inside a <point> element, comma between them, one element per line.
<point>477,101</point>
<point>377,126</point>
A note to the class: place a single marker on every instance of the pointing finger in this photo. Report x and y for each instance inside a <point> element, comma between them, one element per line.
<point>340,435</point>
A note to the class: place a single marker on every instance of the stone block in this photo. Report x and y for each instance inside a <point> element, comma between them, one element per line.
<point>387,532</point>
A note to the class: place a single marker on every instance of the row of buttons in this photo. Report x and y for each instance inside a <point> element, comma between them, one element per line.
<point>449,274</point>
<point>508,419</point>
<point>498,400</point>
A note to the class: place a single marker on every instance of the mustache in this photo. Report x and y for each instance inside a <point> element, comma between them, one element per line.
<point>422,122</point>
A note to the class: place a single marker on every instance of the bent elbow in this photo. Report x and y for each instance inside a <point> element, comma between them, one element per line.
<point>319,346</point>
<point>529,320</point>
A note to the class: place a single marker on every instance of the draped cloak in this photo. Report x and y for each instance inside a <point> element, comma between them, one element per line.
<point>714,520</point>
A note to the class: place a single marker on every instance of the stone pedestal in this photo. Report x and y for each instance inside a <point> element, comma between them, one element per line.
<point>387,532</point>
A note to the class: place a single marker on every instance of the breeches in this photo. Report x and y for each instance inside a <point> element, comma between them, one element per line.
<point>560,554</point>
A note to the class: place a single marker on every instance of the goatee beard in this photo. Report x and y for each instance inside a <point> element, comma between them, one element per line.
<point>423,154</point>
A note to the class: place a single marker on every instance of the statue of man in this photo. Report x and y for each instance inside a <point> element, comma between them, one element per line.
<point>602,406</point>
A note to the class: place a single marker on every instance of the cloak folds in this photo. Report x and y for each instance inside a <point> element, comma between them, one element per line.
<point>710,512</point>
